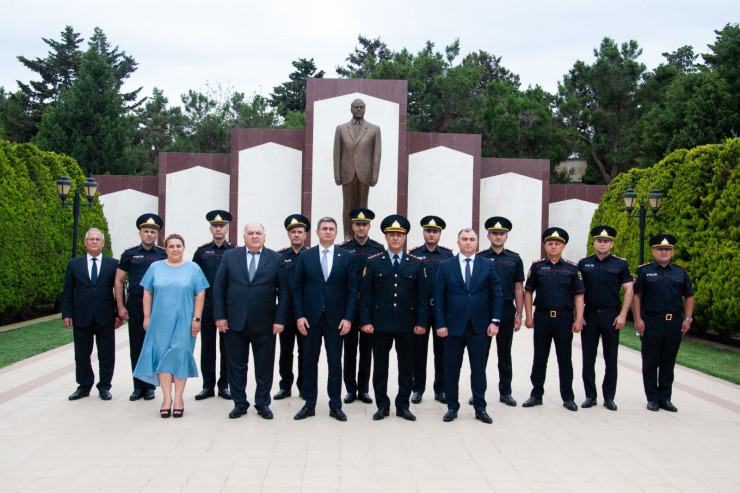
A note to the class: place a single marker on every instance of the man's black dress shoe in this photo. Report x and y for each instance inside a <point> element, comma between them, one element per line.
<point>350,398</point>
<point>570,406</point>
<point>264,411</point>
<point>380,414</point>
<point>405,414</point>
<point>136,395</point>
<point>224,393</point>
<point>668,406</point>
<point>338,414</point>
<point>589,402</point>
<point>449,416</point>
<point>441,397</point>
<point>282,394</point>
<point>652,406</point>
<point>237,412</point>
<point>304,413</point>
<point>148,394</point>
<point>78,394</point>
<point>532,401</point>
<point>507,399</point>
<point>609,404</point>
<point>365,397</point>
<point>483,416</point>
<point>204,394</point>
<point>105,395</point>
<point>471,401</point>
<point>416,397</point>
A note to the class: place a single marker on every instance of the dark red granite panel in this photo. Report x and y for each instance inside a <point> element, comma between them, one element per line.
<point>245,138</point>
<point>587,193</point>
<point>115,183</point>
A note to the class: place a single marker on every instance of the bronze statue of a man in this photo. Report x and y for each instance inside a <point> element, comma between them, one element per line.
<point>356,161</point>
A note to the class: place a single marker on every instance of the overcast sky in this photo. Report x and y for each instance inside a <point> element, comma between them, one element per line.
<point>247,46</point>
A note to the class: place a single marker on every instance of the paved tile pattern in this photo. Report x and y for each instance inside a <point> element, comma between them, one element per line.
<point>52,444</point>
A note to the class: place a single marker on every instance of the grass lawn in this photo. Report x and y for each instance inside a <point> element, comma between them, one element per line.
<point>22,343</point>
<point>721,363</point>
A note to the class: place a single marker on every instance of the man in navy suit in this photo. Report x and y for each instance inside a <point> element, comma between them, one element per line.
<point>467,310</point>
<point>89,308</point>
<point>247,283</point>
<point>324,297</point>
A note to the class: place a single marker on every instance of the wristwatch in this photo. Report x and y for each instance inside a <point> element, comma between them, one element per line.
<point>196,319</point>
<point>689,319</point>
<point>496,321</point>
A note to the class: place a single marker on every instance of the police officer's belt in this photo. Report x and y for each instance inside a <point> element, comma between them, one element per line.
<point>599,309</point>
<point>553,313</point>
<point>667,316</point>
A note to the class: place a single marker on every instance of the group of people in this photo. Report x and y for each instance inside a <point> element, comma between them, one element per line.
<point>361,298</point>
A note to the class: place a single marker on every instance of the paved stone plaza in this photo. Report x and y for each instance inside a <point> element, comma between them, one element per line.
<point>52,444</point>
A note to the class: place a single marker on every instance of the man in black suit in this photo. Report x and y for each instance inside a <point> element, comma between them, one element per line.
<point>89,308</point>
<point>247,283</point>
<point>467,310</point>
<point>324,300</point>
<point>394,306</point>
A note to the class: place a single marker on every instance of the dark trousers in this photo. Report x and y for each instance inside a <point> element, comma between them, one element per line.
<point>105,340</point>
<point>263,349</point>
<point>600,325</point>
<point>477,346</point>
<point>354,195</point>
<point>382,343</point>
<point>208,335</point>
<point>311,353</point>
<point>660,344</point>
<point>421,350</point>
<point>547,330</point>
<point>136,334</point>
<point>504,339</point>
<point>361,383</point>
<point>289,338</point>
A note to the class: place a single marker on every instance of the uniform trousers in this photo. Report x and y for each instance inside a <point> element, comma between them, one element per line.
<point>600,325</point>
<point>263,349</point>
<point>105,340</point>
<point>382,343</point>
<point>477,346</point>
<point>311,353</point>
<point>136,334</point>
<point>208,335</point>
<point>360,382</point>
<point>660,344</point>
<point>289,338</point>
<point>547,330</point>
<point>504,339</point>
<point>421,350</point>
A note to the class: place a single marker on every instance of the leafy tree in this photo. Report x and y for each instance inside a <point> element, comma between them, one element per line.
<point>157,125</point>
<point>365,59</point>
<point>122,64</point>
<point>291,96</point>
<point>16,124</point>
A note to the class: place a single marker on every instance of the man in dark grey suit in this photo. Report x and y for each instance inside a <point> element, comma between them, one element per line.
<point>247,283</point>
<point>89,308</point>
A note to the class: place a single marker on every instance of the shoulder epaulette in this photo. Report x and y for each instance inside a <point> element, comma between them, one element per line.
<point>282,250</point>
<point>204,245</point>
<point>643,265</point>
<point>569,262</point>
<point>415,248</point>
<point>345,242</point>
<point>414,256</point>
<point>376,255</point>
<point>539,261</point>
<point>375,243</point>
<point>481,251</point>
<point>679,266</point>
<point>619,258</point>
<point>444,248</point>
<point>159,247</point>
<point>512,251</point>
<point>131,248</point>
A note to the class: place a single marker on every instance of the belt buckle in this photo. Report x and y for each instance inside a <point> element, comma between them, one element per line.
<point>668,317</point>
<point>553,314</point>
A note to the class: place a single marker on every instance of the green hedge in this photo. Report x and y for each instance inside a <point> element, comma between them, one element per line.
<point>701,207</point>
<point>35,231</point>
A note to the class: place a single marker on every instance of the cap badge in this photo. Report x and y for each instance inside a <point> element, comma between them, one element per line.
<point>498,225</point>
<point>603,233</point>
<point>293,221</point>
<point>360,216</point>
<point>665,242</point>
<point>150,221</point>
<point>432,223</point>
<point>396,225</point>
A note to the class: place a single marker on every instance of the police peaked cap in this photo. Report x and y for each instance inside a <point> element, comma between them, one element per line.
<point>395,223</point>
<point>149,221</point>
<point>498,224</point>
<point>662,241</point>
<point>361,215</point>
<point>433,222</point>
<point>295,220</point>
<point>604,233</point>
<point>218,217</point>
<point>557,234</point>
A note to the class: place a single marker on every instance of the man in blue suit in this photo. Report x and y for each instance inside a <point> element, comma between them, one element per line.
<point>247,283</point>
<point>89,308</point>
<point>467,310</point>
<point>324,297</point>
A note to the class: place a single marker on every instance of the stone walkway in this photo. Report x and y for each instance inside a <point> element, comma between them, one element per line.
<point>52,444</point>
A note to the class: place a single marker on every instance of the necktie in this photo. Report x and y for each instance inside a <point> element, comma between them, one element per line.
<point>252,266</point>
<point>94,272</point>
<point>325,264</point>
<point>467,273</point>
<point>395,262</point>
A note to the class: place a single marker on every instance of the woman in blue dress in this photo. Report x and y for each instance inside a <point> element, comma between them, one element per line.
<point>174,292</point>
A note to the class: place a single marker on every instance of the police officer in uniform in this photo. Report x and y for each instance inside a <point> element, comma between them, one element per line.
<point>208,257</point>
<point>297,227</point>
<point>657,307</point>
<point>394,304</point>
<point>362,247</point>
<point>511,272</point>
<point>432,254</point>
<point>559,290</point>
<point>603,276</point>
<point>134,263</point>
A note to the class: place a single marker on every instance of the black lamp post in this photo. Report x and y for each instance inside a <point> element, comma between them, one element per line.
<point>63,187</point>
<point>655,199</point>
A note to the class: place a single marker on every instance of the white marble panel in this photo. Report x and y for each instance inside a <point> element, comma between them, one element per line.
<point>121,210</point>
<point>574,216</point>
<point>519,199</point>
<point>327,196</point>
<point>440,183</point>
<point>191,194</point>
<point>269,189</point>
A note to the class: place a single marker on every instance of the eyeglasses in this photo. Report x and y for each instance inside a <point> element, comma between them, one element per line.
<point>94,240</point>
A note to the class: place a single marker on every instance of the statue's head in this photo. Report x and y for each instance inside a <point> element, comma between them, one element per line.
<point>358,109</point>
